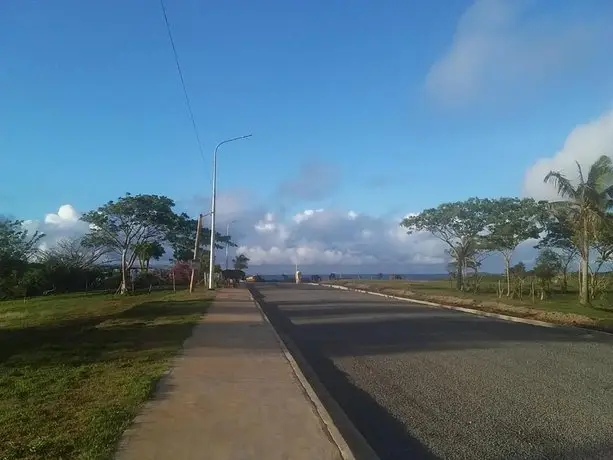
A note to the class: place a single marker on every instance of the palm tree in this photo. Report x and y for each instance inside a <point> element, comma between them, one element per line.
<point>241,262</point>
<point>588,203</point>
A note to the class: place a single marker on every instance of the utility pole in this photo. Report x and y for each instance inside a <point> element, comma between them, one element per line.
<point>194,261</point>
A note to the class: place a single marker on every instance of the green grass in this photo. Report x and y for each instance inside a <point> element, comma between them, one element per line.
<point>74,369</point>
<point>599,315</point>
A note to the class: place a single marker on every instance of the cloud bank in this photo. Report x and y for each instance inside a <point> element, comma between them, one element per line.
<point>64,223</point>
<point>322,239</point>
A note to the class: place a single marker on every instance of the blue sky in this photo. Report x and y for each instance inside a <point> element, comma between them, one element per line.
<point>382,108</point>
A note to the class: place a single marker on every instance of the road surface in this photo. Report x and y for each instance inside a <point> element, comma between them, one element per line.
<point>424,382</point>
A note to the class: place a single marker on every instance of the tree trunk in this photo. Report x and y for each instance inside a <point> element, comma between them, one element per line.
<point>579,278</point>
<point>123,287</point>
<point>564,286</point>
<point>147,266</point>
<point>507,262</point>
<point>585,267</point>
<point>585,290</point>
<point>459,280</point>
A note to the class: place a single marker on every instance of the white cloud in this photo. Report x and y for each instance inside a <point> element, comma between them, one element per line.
<point>319,240</point>
<point>510,44</point>
<point>584,144</point>
<point>65,223</point>
<point>338,239</point>
<point>65,216</point>
<point>305,215</point>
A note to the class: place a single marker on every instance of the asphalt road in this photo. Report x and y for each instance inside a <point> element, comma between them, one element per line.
<point>423,382</point>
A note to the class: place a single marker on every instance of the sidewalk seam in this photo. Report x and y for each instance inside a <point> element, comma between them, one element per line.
<point>326,419</point>
<point>472,311</point>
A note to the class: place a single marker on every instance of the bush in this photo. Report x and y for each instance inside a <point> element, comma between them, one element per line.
<point>144,280</point>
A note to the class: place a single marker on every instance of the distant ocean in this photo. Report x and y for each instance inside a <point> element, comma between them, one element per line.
<point>350,276</point>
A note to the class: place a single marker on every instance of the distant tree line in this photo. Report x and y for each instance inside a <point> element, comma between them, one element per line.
<point>134,229</point>
<point>577,227</point>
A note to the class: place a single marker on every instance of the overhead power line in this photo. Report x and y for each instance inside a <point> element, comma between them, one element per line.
<point>187,101</point>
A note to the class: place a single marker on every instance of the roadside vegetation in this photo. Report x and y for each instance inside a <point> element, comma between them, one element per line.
<point>75,368</point>
<point>115,255</point>
<point>560,307</point>
<point>567,283</point>
<point>90,323</point>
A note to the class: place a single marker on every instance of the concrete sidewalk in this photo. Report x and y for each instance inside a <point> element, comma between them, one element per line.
<point>232,394</point>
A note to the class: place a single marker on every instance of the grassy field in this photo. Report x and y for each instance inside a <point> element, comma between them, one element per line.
<point>562,308</point>
<point>74,369</point>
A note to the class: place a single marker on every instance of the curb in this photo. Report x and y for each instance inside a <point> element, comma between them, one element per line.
<point>472,311</point>
<point>300,367</point>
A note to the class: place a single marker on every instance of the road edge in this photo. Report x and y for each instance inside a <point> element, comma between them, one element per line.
<point>308,378</point>
<point>472,311</point>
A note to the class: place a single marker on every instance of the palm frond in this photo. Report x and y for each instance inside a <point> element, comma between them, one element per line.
<point>600,175</point>
<point>562,184</point>
<point>581,178</point>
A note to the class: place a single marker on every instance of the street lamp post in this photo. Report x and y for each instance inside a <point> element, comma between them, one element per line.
<point>212,258</point>
<point>227,235</point>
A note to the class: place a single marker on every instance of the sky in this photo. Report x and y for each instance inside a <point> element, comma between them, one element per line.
<point>361,113</point>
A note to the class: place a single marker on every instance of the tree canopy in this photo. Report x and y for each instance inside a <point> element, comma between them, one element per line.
<point>587,205</point>
<point>511,221</point>
<point>124,225</point>
<point>182,238</point>
<point>241,262</point>
<point>16,243</point>
<point>458,225</point>
<point>148,250</point>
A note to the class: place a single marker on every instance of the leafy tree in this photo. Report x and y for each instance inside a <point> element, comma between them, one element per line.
<point>472,254</point>
<point>559,235</point>
<point>603,247</point>
<point>511,222</point>
<point>548,265</point>
<point>519,273</point>
<point>122,226</point>
<point>241,262</point>
<point>184,234</point>
<point>457,224</point>
<point>146,251</point>
<point>587,204</point>
<point>519,270</point>
<point>16,243</point>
